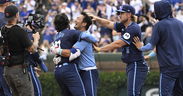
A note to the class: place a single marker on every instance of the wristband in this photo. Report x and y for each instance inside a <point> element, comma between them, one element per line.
<point>60,51</point>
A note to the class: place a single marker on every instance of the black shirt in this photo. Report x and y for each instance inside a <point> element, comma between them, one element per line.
<point>17,40</point>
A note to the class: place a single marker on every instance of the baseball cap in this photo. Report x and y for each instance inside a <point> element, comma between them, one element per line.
<point>126,8</point>
<point>4,1</point>
<point>10,11</point>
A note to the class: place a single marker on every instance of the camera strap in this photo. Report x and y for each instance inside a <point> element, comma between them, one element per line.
<point>6,53</point>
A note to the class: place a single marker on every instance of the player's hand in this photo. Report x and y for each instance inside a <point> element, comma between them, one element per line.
<point>37,71</point>
<point>94,18</point>
<point>96,48</point>
<point>96,44</point>
<point>55,50</point>
<point>36,36</point>
<point>146,57</point>
<point>137,42</point>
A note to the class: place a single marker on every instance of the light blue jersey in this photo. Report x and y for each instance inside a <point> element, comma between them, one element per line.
<point>86,59</point>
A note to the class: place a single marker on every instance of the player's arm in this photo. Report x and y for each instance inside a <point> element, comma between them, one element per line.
<point>62,52</point>
<point>126,39</point>
<point>74,52</point>
<point>65,52</point>
<point>151,54</point>
<point>88,37</point>
<point>140,46</point>
<point>71,53</point>
<point>103,22</point>
<point>39,61</point>
<point>154,40</point>
<point>114,45</point>
<point>78,35</point>
<point>34,45</point>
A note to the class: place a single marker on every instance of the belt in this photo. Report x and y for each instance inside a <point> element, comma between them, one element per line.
<point>89,68</point>
<point>1,63</point>
<point>142,60</point>
<point>63,64</point>
<point>17,66</point>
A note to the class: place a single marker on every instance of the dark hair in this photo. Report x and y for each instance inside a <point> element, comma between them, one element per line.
<point>87,20</point>
<point>61,22</point>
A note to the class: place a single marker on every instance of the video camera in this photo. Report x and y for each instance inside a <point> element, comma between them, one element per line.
<point>34,21</point>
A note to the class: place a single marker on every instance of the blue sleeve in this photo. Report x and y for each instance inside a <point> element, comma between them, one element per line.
<point>81,45</point>
<point>152,54</point>
<point>147,47</point>
<point>36,58</point>
<point>155,35</point>
<point>30,33</point>
<point>43,67</point>
<point>118,27</point>
<point>88,37</point>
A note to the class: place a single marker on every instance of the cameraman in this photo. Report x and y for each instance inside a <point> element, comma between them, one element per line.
<point>18,44</point>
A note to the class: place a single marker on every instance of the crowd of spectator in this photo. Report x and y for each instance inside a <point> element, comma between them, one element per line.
<point>103,8</point>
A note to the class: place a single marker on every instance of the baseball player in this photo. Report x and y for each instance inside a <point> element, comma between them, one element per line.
<point>136,66</point>
<point>34,61</point>
<point>86,62</point>
<point>66,72</point>
<point>167,37</point>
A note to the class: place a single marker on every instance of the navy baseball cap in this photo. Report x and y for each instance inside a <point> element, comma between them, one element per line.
<point>126,8</point>
<point>10,11</point>
<point>4,1</point>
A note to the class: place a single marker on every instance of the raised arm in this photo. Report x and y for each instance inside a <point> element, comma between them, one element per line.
<point>103,22</point>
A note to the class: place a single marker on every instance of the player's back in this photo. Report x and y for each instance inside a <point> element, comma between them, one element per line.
<point>66,39</point>
<point>170,44</point>
<point>86,59</point>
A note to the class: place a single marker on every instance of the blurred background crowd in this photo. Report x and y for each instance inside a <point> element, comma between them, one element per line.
<point>102,8</point>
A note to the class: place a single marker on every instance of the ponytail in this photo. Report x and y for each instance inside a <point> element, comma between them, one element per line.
<point>134,18</point>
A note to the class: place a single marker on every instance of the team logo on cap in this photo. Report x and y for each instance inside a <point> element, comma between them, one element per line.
<point>126,36</point>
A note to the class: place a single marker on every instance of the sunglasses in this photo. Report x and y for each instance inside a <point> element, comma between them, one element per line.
<point>119,13</point>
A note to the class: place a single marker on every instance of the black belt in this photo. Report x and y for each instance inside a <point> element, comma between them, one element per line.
<point>17,66</point>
